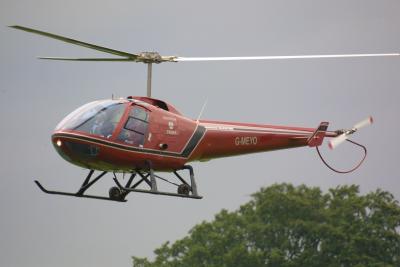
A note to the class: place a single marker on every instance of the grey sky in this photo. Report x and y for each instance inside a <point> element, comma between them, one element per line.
<point>42,230</point>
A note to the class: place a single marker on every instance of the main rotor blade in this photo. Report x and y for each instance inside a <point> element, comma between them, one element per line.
<point>283,57</point>
<point>88,59</point>
<point>154,57</point>
<point>76,42</point>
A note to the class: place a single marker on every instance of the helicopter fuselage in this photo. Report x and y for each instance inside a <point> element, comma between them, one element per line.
<point>140,133</point>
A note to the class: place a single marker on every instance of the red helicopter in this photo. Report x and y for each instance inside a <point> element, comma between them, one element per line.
<point>144,135</point>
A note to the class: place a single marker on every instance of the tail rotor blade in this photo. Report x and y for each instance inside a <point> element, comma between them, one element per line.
<point>337,141</point>
<point>364,123</point>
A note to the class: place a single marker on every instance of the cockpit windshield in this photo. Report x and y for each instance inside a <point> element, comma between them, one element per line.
<point>98,118</point>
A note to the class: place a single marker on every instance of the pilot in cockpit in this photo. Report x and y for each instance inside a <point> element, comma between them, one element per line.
<point>98,123</point>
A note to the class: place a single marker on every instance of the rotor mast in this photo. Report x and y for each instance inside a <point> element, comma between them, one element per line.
<point>149,58</point>
<point>149,70</point>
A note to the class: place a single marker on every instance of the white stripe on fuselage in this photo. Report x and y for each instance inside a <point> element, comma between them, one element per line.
<point>239,128</point>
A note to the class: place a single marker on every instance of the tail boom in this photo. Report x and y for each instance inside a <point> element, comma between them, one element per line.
<point>224,139</point>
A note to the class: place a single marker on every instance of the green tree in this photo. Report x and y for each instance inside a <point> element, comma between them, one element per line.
<point>289,226</point>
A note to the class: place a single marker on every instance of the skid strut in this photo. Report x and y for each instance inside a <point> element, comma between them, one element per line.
<point>148,176</point>
<point>118,193</point>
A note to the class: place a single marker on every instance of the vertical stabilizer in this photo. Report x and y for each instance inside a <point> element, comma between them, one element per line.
<point>318,136</point>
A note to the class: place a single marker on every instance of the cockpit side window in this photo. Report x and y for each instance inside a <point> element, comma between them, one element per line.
<point>135,128</point>
<point>139,113</point>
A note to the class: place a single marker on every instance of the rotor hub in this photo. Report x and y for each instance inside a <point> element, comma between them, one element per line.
<point>149,57</point>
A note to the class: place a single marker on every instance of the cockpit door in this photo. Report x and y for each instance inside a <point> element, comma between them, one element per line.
<point>135,129</point>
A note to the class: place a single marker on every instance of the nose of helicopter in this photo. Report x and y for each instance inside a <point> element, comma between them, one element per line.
<point>73,136</point>
<point>74,151</point>
<point>63,147</point>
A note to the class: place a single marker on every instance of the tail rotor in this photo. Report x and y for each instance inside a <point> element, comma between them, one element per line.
<point>343,135</point>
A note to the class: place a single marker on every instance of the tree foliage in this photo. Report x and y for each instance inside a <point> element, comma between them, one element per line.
<point>287,226</point>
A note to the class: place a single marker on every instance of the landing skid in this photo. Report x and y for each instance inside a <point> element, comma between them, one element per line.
<point>119,192</point>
